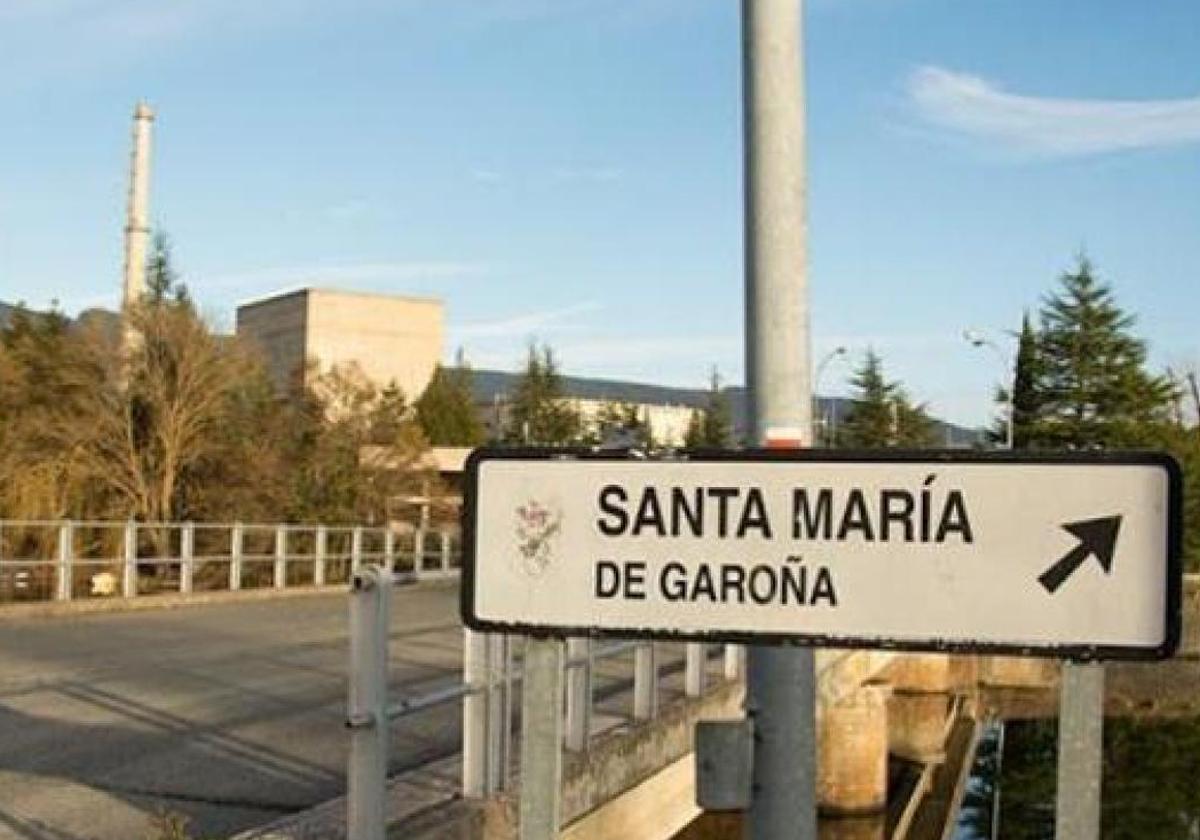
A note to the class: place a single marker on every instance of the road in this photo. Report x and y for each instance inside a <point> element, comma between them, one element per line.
<point>230,714</point>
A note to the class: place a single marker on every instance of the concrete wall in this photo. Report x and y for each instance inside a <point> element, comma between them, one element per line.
<point>391,339</point>
<point>387,337</point>
<point>277,326</point>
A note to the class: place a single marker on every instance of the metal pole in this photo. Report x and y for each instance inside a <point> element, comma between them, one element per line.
<point>187,565</point>
<point>579,693</point>
<point>475,707</point>
<point>236,542</point>
<point>780,695</point>
<point>541,737</point>
<point>129,577</point>
<point>1080,751</point>
<point>693,671</point>
<point>281,536</point>
<point>320,538</point>
<point>495,710</point>
<point>370,607</point>
<point>418,551</point>
<point>356,543</point>
<point>506,714</point>
<point>645,682</point>
<point>66,554</point>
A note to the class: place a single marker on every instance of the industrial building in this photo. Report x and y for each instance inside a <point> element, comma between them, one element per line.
<point>389,338</point>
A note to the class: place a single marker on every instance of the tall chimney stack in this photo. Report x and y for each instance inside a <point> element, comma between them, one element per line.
<point>137,229</point>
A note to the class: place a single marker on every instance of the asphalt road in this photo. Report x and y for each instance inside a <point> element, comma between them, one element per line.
<point>229,714</point>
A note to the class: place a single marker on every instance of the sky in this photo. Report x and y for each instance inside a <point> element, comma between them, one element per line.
<point>569,171</point>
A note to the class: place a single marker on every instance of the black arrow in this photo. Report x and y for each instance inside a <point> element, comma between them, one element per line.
<point>1096,536</point>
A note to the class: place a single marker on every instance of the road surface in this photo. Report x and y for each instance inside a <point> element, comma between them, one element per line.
<point>230,714</point>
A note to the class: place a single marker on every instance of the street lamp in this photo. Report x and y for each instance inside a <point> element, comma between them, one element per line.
<point>840,350</point>
<point>977,339</point>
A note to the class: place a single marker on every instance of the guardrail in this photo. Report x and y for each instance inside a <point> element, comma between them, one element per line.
<point>63,560</point>
<point>490,675</point>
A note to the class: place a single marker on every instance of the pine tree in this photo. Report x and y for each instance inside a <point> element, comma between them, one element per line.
<point>881,414</point>
<point>446,409</point>
<point>162,279</point>
<point>539,412</point>
<point>712,426</point>
<point>1091,386</point>
<point>1027,401</point>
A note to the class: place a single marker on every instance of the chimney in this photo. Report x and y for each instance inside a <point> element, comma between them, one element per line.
<point>137,230</point>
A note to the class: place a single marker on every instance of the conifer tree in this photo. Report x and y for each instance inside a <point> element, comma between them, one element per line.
<point>446,409</point>
<point>539,412</point>
<point>881,414</point>
<point>1091,387</point>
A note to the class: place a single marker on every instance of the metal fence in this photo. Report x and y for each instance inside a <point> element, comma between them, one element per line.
<point>64,560</point>
<point>492,670</point>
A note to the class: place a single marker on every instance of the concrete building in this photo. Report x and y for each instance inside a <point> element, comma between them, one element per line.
<point>388,337</point>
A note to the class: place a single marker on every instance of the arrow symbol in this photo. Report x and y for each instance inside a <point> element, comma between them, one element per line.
<point>1096,536</point>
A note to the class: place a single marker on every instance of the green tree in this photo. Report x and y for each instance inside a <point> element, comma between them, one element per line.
<point>881,414</point>
<point>539,412</point>
<point>1027,400</point>
<point>1091,387</point>
<point>446,410</point>
<point>712,426</point>
<point>162,280</point>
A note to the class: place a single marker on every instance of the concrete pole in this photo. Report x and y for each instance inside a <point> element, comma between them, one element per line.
<point>780,695</point>
<point>137,227</point>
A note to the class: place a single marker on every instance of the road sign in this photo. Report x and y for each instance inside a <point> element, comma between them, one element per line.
<point>946,550</point>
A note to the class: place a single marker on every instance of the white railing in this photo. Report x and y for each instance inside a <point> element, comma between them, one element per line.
<point>64,560</point>
<point>490,673</point>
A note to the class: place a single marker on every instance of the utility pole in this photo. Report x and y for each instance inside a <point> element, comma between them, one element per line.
<point>781,682</point>
<point>137,229</point>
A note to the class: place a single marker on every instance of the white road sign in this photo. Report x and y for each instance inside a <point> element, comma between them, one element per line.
<point>1073,555</point>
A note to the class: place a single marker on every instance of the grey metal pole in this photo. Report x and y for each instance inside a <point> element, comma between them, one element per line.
<point>474,710</point>
<point>129,577</point>
<point>281,540</point>
<point>187,557</point>
<point>780,689</point>
<point>645,681</point>
<point>694,656</point>
<point>370,607</point>
<point>1080,751</point>
<point>579,694</point>
<point>541,739</point>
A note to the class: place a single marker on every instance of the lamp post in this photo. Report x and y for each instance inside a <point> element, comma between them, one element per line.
<point>977,339</point>
<point>840,350</point>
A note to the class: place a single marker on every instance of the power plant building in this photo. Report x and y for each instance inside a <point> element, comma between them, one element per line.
<point>389,338</point>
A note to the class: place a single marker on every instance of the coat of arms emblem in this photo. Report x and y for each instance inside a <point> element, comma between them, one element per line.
<point>536,526</point>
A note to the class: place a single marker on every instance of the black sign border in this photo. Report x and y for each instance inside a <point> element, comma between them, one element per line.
<point>1079,653</point>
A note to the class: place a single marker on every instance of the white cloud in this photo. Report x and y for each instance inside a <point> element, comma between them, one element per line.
<point>972,106</point>
<point>524,325</point>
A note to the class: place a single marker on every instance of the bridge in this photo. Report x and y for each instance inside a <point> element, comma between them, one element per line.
<point>231,707</point>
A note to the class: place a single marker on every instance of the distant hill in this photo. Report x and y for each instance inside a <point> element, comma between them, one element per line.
<point>490,384</point>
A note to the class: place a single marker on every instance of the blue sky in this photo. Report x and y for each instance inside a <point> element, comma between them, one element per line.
<point>569,170</point>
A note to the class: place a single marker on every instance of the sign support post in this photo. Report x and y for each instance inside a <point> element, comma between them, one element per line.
<point>780,681</point>
<point>1080,751</point>
<point>541,739</point>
